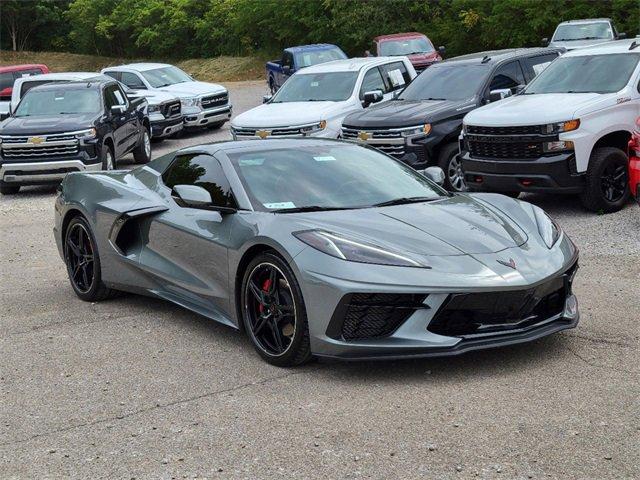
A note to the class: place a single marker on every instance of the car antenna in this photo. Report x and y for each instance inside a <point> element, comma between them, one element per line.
<point>633,45</point>
<point>485,59</point>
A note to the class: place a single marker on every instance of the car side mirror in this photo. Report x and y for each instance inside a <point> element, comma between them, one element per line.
<point>517,89</point>
<point>435,174</point>
<point>286,69</point>
<point>622,36</point>
<point>545,42</point>
<point>442,50</point>
<point>117,109</point>
<point>499,94</point>
<point>193,196</point>
<point>267,98</point>
<point>374,96</point>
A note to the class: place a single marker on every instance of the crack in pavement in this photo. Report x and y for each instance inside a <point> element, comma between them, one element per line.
<point>601,340</point>
<point>155,407</point>
<point>594,364</point>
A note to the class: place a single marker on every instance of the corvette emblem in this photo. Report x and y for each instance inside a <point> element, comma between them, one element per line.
<point>364,136</point>
<point>36,140</point>
<point>262,134</point>
<point>511,263</point>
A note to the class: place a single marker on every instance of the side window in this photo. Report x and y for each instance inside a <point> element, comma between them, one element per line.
<point>372,81</point>
<point>6,80</point>
<point>202,171</point>
<point>113,96</point>
<point>132,80</point>
<point>535,65</point>
<point>287,59</point>
<point>396,75</point>
<point>508,75</point>
<point>116,75</point>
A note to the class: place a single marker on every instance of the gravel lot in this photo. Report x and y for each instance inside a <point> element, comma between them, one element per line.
<point>139,388</point>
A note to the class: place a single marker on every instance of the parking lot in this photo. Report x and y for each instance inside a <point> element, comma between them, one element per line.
<point>139,388</point>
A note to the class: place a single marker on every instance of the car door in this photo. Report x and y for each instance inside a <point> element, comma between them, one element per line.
<point>117,120</point>
<point>131,130</point>
<point>396,76</point>
<point>373,80</point>
<point>287,60</point>
<point>187,248</point>
<point>506,76</point>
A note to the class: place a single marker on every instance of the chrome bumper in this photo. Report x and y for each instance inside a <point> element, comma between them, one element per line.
<point>42,172</point>
<point>206,117</point>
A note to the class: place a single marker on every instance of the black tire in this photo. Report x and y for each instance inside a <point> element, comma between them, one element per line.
<point>142,152</point>
<point>108,158</point>
<point>86,280</point>
<point>450,165</point>
<point>264,329</point>
<point>7,189</point>
<point>606,184</point>
<point>215,125</point>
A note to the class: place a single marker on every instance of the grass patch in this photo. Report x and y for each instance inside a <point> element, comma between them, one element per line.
<point>218,69</point>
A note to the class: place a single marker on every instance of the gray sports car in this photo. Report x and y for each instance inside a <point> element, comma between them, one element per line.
<point>320,248</point>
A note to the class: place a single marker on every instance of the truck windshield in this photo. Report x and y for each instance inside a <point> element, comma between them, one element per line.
<point>447,82</point>
<point>314,57</point>
<point>586,74</point>
<point>317,87</point>
<point>583,31</point>
<point>58,102</point>
<point>165,76</point>
<point>405,46</point>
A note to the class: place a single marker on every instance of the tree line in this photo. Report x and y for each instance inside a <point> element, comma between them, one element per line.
<point>207,28</point>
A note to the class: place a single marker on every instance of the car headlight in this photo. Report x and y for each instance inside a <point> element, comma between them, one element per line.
<point>419,130</point>
<point>316,127</point>
<point>88,133</point>
<point>548,229</point>
<point>355,250</point>
<point>560,127</point>
<point>154,108</point>
<point>558,146</point>
<point>190,102</point>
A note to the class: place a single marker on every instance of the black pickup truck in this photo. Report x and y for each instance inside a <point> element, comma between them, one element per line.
<point>422,125</point>
<point>59,128</point>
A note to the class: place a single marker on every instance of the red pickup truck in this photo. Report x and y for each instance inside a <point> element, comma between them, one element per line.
<point>634,162</point>
<point>9,74</point>
<point>414,45</point>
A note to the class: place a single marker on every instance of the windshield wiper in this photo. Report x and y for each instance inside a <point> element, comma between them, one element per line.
<point>307,208</point>
<point>434,98</point>
<point>404,201</point>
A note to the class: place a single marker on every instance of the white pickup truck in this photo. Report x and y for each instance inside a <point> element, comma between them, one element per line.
<point>315,100</point>
<point>567,132</point>
<point>203,104</point>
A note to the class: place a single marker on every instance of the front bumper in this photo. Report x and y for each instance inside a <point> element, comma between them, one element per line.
<point>205,117</point>
<point>164,128</point>
<point>552,174</point>
<point>42,172</point>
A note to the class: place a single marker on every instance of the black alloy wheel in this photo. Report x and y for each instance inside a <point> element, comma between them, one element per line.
<point>79,254</point>
<point>613,182</point>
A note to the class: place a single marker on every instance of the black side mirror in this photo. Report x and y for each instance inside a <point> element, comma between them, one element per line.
<point>193,196</point>
<point>117,109</point>
<point>545,42</point>
<point>286,69</point>
<point>622,36</point>
<point>374,96</point>
<point>442,50</point>
<point>518,88</point>
<point>266,98</point>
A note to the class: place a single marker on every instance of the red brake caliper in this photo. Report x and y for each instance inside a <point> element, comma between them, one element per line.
<point>265,288</point>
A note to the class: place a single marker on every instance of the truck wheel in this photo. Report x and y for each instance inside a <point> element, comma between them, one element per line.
<point>452,167</point>
<point>142,153</point>
<point>6,189</point>
<point>607,184</point>
<point>108,158</point>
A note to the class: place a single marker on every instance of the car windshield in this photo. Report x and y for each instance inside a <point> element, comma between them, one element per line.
<point>165,76</point>
<point>328,177</point>
<point>583,31</point>
<point>59,102</point>
<point>317,87</point>
<point>447,82</point>
<point>586,74</point>
<point>405,46</point>
<point>313,57</point>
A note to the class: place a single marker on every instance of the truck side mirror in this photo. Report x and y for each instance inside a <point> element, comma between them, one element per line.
<point>117,109</point>
<point>545,42</point>
<point>442,50</point>
<point>374,96</point>
<point>499,94</point>
<point>622,36</point>
<point>286,69</point>
<point>266,98</point>
<point>435,174</point>
<point>517,89</point>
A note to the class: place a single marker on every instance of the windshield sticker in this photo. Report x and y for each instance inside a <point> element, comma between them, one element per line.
<point>314,84</point>
<point>279,205</point>
<point>245,162</point>
<point>325,159</point>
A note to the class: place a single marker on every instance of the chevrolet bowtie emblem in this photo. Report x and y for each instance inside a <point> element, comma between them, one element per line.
<point>511,263</point>
<point>36,140</point>
<point>364,136</point>
<point>262,133</point>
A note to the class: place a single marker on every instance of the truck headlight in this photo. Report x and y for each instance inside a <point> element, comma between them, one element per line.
<point>88,133</point>
<point>558,146</point>
<point>548,229</point>
<point>190,101</point>
<point>419,130</point>
<point>316,127</point>
<point>154,108</point>
<point>560,127</point>
<point>355,250</point>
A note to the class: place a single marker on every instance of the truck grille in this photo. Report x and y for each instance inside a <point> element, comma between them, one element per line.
<point>214,100</point>
<point>389,141</point>
<point>39,146</point>
<point>269,132</point>
<point>520,142</point>
<point>516,130</point>
<point>487,148</point>
<point>171,109</point>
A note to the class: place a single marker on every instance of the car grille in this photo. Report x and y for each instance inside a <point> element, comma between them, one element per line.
<point>171,109</point>
<point>270,132</point>
<point>214,100</point>
<point>374,315</point>
<point>476,314</point>
<point>516,130</point>
<point>389,141</point>
<point>514,142</point>
<point>39,146</point>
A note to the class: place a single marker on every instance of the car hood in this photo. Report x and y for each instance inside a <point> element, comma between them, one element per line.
<point>289,113</point>
<point>47,124</point>
<point>575,44</point>
<point>457,225</point>
<point>192,89</point>
<point>404,113</point>
<point>423,58</point>
<point>540,108</point>
<point>154,97</point>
